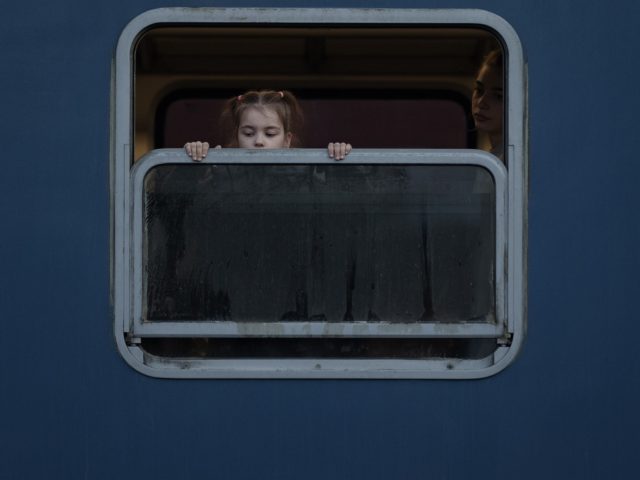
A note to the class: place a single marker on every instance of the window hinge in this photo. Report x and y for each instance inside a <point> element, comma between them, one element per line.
<point>506,339</point>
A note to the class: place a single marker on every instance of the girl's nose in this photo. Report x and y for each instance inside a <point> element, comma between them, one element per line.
<point>259,141</point>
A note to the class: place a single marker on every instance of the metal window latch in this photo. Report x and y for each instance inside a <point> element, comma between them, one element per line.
<point>132,340</point>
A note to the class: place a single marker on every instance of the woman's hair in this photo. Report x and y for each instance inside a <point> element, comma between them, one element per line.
<point>282,102</point>
<point>493,59</point>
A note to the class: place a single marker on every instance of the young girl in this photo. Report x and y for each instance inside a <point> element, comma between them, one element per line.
<point>262,119</point>
<point>487,101</point>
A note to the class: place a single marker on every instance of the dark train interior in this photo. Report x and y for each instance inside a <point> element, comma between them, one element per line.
<point>375,87</point>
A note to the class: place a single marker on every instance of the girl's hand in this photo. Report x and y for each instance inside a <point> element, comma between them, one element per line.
<point>197,150</point>
<point>338,150</point>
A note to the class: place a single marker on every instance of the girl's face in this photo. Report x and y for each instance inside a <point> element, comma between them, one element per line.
<point>486,103</point>
<point>262,128</point>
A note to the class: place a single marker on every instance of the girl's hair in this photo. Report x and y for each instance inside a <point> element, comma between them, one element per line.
<point>284,103</point>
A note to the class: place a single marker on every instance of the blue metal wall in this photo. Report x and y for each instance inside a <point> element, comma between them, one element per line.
<point>567,408</point>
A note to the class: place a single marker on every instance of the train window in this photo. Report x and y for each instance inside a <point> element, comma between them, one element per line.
<point>404,261</point>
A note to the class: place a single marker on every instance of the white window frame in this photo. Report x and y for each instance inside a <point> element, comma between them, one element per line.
<point>511,210</point>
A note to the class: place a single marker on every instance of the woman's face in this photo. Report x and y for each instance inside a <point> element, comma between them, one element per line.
<point>486,103</point>
<point>262,128</point>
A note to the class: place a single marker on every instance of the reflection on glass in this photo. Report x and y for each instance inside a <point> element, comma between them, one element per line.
<point>339,242</point>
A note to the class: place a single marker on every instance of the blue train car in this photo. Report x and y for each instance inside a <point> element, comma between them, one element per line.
<point>437,305</point>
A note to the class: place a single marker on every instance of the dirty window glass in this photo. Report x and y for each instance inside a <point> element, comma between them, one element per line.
<point>327,243</point>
